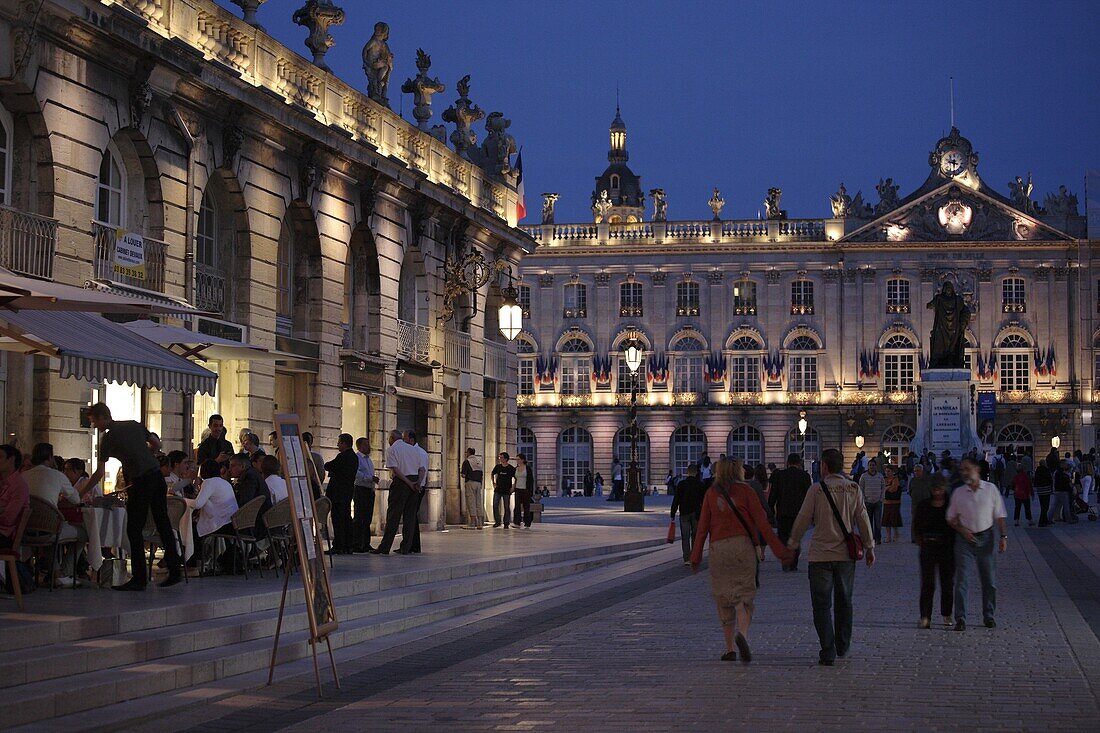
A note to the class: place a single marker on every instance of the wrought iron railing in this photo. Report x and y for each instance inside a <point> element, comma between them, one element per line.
<point>209,289</point>
<point>150,276</point>
<point>456,350</point>
<point>496,361</point>
<point>27,243</point>
<point>413,341</point>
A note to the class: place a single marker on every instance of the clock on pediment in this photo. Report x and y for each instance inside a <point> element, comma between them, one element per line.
<point>954,157</point>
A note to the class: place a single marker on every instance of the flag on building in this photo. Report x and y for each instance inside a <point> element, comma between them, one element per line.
<point>521,204</point>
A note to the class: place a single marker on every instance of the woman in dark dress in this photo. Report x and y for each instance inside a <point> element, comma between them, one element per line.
<point>937,553</point>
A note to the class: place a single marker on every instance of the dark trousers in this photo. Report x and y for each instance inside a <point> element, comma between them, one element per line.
<point>363,501</point>
<point>502,508</point>
<point>523,513</point>
<point>1024,504</point>
<point>874,513</point>
<point>937,559</point>
<point>783,527</point>
<point>148,493</point>
<point>618,488</point>
<point>414,545</point>
<point>1044,510</point>
<point>401,510</point>
<point>341,519</point>
<point>689,524</point>
<point>831,596</point>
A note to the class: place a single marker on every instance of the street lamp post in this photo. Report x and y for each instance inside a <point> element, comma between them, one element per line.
<point>634,500</point>
<point>802,427</point>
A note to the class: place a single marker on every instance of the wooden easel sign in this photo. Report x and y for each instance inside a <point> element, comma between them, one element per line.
<point>297,467</point>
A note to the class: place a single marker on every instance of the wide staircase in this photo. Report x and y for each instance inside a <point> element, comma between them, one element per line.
<point>69,664</point>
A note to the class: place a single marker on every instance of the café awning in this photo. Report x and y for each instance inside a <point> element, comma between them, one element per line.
<point>195,345</point>
<point>18,293</point>
<point>91,347</point>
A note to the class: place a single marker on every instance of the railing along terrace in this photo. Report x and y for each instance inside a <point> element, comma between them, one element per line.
<point>713,231</point>
<point>27,243</point>
<point>209,289</point>
<point>413,341</point>
<point>109,266</point>
<point>496,361</point>
<point>456,350</point>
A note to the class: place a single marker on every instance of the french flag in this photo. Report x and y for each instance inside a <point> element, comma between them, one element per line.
<point>521,204</point>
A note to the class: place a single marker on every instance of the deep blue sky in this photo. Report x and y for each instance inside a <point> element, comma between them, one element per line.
<point>746,95</point>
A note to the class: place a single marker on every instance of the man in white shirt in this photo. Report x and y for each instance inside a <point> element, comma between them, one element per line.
<point>363,498</point>
<point>422,479</point>
<point>276,484</point>
<point>403,461</point>
<point>975,508</point>
<point>49,484</point>
<point>215,503</point>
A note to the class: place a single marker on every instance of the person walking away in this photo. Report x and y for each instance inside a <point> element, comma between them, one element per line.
<point>688,499</point>
<point>504,476</point>
<point>473,474</point>
<point>1043,484</point>
<point>404,465</point>
<point>873,487</point>
<point>341,491</point>
<point>976,508</point>
<point>1021,493</point>
<point>363,498</point>
<point>920,488</point>
<point>317,476</point>
<point>525,489</point>
<point>1063,494</point>
<point>788,491</point>
<point>732,517</point>
<point>835,507</point>
<point>128,441</point>
<point>937,553</point>
<point>422,482</point>
<point>891,504</point>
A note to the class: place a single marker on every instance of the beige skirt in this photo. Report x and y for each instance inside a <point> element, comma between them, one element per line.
<point>732,576</point>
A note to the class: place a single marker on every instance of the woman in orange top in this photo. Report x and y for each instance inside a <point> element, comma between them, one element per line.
<point>733,558</point>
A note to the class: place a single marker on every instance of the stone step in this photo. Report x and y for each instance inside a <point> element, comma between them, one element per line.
<point>17,667</point>
<point>177,667</point>
<point>69,619</point>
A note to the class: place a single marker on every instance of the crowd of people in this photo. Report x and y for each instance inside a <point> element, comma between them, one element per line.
<point>958,520</point>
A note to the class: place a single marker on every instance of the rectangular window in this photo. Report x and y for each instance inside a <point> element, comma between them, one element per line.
<point>687,298</point>
<point>1012,295</point>
<point>576,301</point>
<point>1015,372</point>
<point>744,298</point>
<point>630,300</point>
<point>802,298</point>
<point>802,374</point>
<point>523,298</point>
<point>898,375</point>
<point>622,383</point>
<point>526,376</point>
<point>687,374</point>
<point>897,296</point>
<point>745,374</point>
<point>576,377</point>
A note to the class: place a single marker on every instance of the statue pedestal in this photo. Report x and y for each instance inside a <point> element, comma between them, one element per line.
<point>946,413</point>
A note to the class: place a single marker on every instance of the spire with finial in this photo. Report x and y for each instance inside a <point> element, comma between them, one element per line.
<point>618,153</point>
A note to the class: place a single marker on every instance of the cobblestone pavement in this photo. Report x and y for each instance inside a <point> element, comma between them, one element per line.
<point>643,655</point>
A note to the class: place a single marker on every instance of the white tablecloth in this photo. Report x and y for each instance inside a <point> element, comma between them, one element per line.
<point>106,527</point>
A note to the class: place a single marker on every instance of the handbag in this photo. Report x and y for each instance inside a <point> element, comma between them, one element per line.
<point>854,542</point>
<point>111,572</point>
<point>671,532</point>
<point>752,535</point>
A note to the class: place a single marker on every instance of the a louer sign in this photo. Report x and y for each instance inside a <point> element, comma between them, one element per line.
<point>129,257</point>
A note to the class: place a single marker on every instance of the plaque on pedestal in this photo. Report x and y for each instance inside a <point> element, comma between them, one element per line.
<point>946,417</point>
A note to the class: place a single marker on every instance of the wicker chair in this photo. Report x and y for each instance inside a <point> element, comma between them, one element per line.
<point>278,520</point>
<point>43,530</point>
<point>244,531</point>
<point>322,507</point>
<point>10,555</point>
<point>177,507</point>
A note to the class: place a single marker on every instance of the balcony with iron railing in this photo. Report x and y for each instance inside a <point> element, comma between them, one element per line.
<point>209,289</point>
<point>496,361</point>
<point>150,276</point>
<point>27,243</point>
<point>456,351</point>
<point>413,341</point>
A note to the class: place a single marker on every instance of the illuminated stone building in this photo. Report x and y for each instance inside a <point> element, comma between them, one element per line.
<point>748,324</point>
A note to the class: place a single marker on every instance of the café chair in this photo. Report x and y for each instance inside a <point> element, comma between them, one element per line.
<point>11,555</point>
<point>243,535</point>
<point>43,531</point>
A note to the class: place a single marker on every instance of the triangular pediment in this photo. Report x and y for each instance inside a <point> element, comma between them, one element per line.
<point>955,213</point>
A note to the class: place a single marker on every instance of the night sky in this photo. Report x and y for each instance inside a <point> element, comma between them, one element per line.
<point>746,95</point>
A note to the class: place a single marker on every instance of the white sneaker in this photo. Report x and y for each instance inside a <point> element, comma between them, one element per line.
<point>948,621</point>
<point>67,582</point>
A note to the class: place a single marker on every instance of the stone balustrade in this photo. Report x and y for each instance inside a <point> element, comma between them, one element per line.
<point>687,232</point>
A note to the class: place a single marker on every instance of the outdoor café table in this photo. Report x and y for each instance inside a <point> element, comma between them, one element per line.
<point>187,533</point>
<point>106,526</point>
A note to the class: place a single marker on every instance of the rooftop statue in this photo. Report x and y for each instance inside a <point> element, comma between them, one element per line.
<point>499,146</point>
<point>601,206</point>
<point>464,113</point>
<point>1062,203</point>
<point>317,16</point>
<point>887,195</point>
<point>771,204</point>
<point>952,316</point>
<point>660,204</point>
<point>1021,194</point>
<point>841,203</point>
<point>378,63</point>
<point>716,203</point>
<point>549,200</point>
<point>422,87</point>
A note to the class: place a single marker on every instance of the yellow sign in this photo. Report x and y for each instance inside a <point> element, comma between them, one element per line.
<point>129,259</point>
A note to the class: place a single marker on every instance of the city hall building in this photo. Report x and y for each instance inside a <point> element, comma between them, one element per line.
<point>751,326</point>
<point>354,257</point>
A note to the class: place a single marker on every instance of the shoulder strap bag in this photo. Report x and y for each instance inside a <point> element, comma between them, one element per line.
<point>854,542</point>
<point>752,535</point>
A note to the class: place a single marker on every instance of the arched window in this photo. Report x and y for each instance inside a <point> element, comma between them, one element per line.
<point>622,452</point>
<point>7,133</point>
<point>614,182</point>
<point>630,300</point>
<point>1016,437</point>
<point>574,457</point>
<point>897,295</point>
<point>284,281</point>
<point>746,443</point>
<point>411,292</point>
<point>576,301</point>
<point>802,298</point>
<point>687,298</point>
<point>687,446</point>
<point>110,206</point>
<point>687,364</point>
<point>808,446</point>
<point>899,364</point>
<point>624,377</point>
<point>1014,363</point>
<point>745,364</point>
<point>297,274</point>
<point>802,366</point>
<point>214,252</point>
<point>896,441</point>
<point>1013,295</point>
<point>362,292</point>
<point>744,298</point>
<point>527,446</point>
<point>576,366</point>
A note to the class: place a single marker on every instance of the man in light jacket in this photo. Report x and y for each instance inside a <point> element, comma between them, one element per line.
<point>832,570</point>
